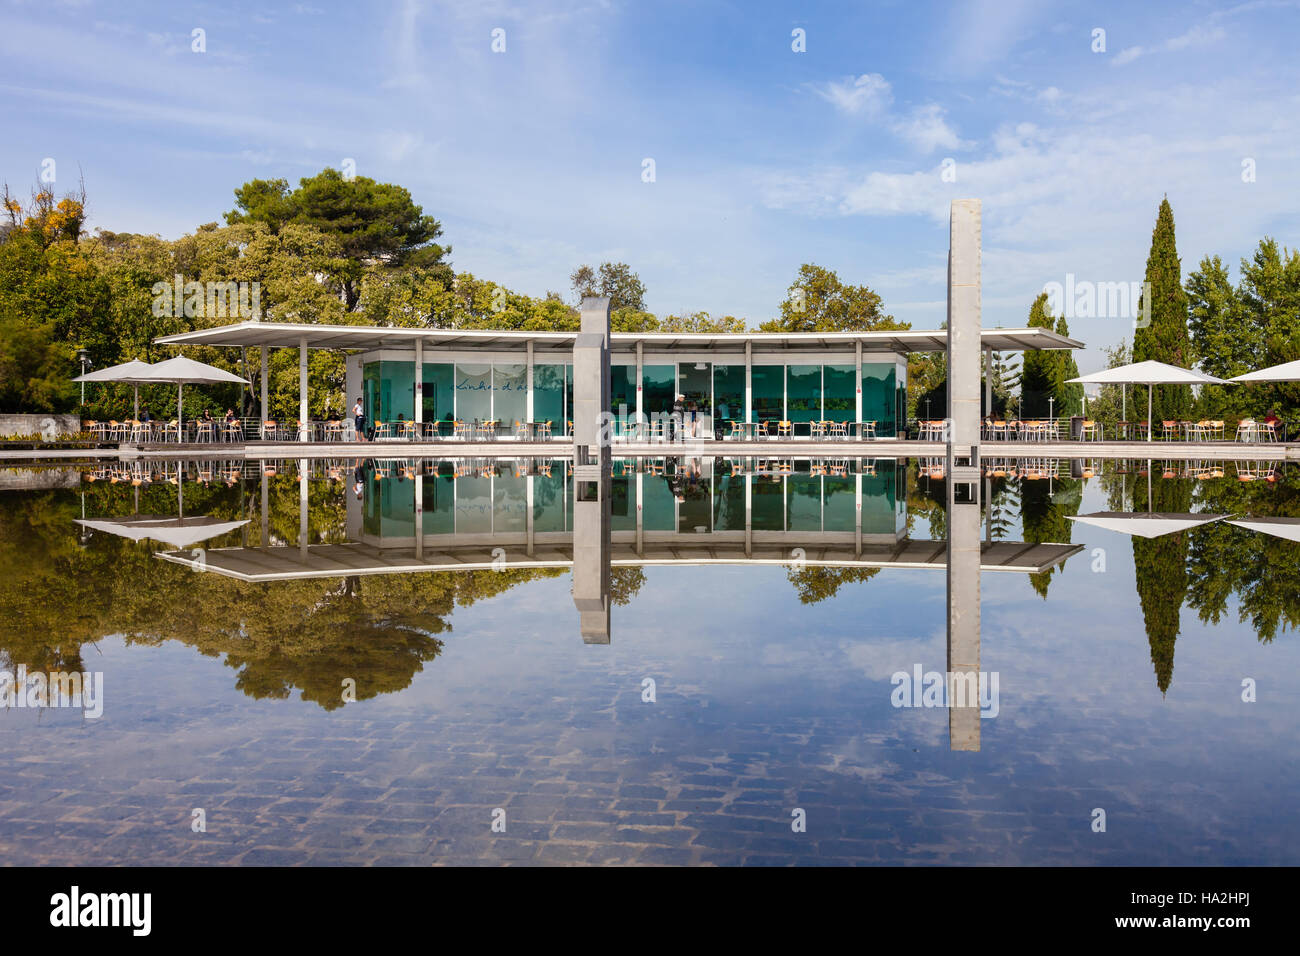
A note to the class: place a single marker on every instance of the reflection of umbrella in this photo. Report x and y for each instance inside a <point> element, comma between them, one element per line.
<point>1288,528</point>
<point>1149,373</point>
<point>1148,525</point>
<point>180,533</point>
<point>184,371</point>
<point>133,372</point>
<point>1288,372</point>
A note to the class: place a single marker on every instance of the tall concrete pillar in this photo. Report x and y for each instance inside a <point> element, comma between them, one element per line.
<point>964,477</point>
<point>266,409</point>
<point>591,472</point>
<point>419,388</point>
<point>964,326</point>
<point>529,414</point>
<point>303,433</point>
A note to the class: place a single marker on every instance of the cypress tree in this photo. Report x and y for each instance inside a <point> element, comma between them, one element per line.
<point>1040,371</point>
<point>1165,339</point>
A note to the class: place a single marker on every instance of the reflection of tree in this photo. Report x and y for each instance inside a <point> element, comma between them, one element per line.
<point>304,635</point>
<point>1160,566</point>
<point>1044,507</point>
<point>818,584</point>
<point>1262,570</point>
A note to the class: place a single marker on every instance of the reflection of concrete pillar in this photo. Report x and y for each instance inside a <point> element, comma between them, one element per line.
<point>964,479</point>
<point>749,514</point>
<point>266,409</point>
<point>303,476</point>
<point>591,472</point>
<point>419,514</point>
<point>528,518</point>
<point>266,503</point>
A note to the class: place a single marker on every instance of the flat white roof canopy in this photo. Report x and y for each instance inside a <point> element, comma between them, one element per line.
<point>369,337</point>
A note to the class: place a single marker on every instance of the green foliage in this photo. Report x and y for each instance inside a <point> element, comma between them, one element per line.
<point>817,301</point>
<point>614,280</point>
<point>1165,339</point>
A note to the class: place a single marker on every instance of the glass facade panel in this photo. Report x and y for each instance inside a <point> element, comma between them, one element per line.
<point>878,495</point>
<point>728,395</point>
<point>473,505</point>
<point>509,395</point>
<point>622,502</point>
<point>550,504</point>
<point>473,392</point>
<point>439,394</point>
<point>660,510</point>
<point>658,383</point>
<point>768,393</point>
<point>839,384</point>
<point>440,501</point>
<point>878,397</point>
<point>768,503</point>
<point>803,394</point>
<point>695,381</point>
<point>622,395</point>
<point>548,396</point>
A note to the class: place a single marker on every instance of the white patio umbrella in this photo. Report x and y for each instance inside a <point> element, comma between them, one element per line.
<point>1148,525</point>
<point>185,371</point>
<point>1288,528</point>
<point>133,372</point>
<point>180,533</point>
<point>1149,373</point>
<point>1287,372</point>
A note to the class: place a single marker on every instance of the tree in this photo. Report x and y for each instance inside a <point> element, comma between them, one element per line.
<point>1041,377</point>
<point>614,280</point>
<point>817,301</point>
<point>1165,339</point>
<point>374,223</point>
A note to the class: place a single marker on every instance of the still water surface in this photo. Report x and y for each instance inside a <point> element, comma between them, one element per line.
<point>770,603</point>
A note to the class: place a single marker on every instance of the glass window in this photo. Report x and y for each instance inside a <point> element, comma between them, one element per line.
<point>548,396</point>
<point>728,395</point>
<point>622,502</point>
<point>473,392</point>
<point>769,393</point>
<point>658,389</point>
<point>878,396</point>
<point>439,402</point>
<point>622,394</point>
<point>878,491</point>
<point>509,395</point>
<point>841,392</point>
<point>659,511</point>
<point>803,394</point>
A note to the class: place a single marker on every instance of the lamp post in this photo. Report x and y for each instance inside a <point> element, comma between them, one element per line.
<point>84,357</point>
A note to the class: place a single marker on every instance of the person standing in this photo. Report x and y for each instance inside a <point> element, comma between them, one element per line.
<point>359,420</point>
<point>678,421</point>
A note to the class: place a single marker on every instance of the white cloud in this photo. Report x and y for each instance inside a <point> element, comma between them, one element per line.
<point>927,129</point>
<point>867,95</point>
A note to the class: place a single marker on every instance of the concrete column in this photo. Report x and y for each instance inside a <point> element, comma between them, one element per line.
<point>266,366</point>
<point>964,325</point>
<point>858,388</point>
<point>749,381</point>
<point>528,401</point>
<point>591,473</point>
<point>640,365</point>
<point>303,433</point>
<point>419,388</point>
<point>988,381</point>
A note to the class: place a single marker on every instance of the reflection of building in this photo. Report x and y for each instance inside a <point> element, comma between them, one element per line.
<point>519,514</point>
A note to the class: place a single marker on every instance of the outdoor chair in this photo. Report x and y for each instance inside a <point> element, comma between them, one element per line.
<point>269,430</point>
<point>784,429</point>
<point>1170,430</point>
<point>1090,431</point>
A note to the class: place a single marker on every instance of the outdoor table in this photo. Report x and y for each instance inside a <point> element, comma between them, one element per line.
<point>746,430</point>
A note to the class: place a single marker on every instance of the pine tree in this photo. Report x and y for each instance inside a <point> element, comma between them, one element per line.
<point>1069,398</point>
<point>1165,339</point>
<point>1040,371</point>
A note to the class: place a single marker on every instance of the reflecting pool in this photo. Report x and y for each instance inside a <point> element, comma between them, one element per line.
<point>381,661</point>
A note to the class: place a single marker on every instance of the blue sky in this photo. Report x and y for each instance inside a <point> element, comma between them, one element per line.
<point>765,158</point>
